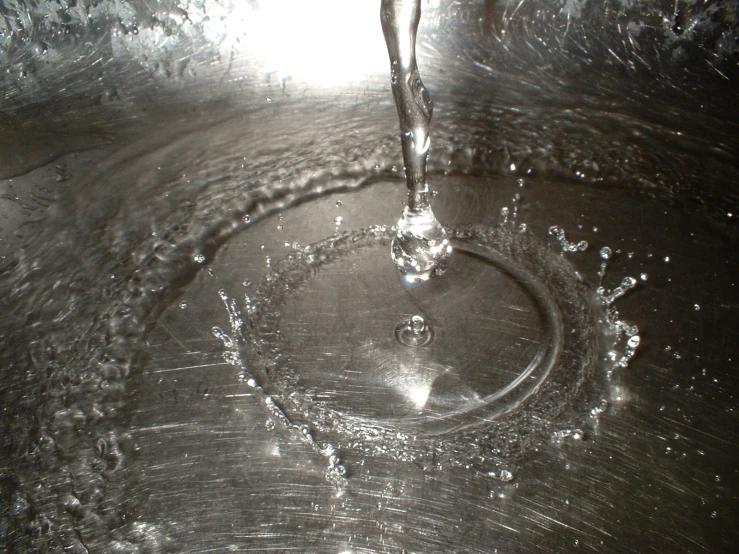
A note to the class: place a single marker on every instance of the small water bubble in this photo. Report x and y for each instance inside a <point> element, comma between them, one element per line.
<point>519,182</point>
<point>280,227</point>
<point>643,276</point>
<point>504,211</point>
<point>582,246</point>
<point>628,282</point>
<point>714,514</point>
<point>339,203</point>
<point>606,253</point>
<point>199,258</point>
<point>512,167</point>
<point>522,228</point>
<point>247,219</point>
<point>183,305</point>
<point>338,220</point>
<point>246,282</point>
<point>417,324</point>
<point>268,261</point>
<point>697,307</point>
<point>667,259</point>
<point>595,229</point>
<point>506,476</point>
<point>634,341</point>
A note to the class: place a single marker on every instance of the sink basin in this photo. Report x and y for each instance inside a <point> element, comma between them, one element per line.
<point>178,375</point>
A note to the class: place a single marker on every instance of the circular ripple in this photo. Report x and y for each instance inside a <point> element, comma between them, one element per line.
<point>515,334</point>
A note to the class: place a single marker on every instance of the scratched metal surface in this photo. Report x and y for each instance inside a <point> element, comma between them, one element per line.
<point>175,453</point>
<point>656,473</point>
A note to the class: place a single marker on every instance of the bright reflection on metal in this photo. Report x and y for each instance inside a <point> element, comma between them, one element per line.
<point>324,43</point>
<point>419,395</point>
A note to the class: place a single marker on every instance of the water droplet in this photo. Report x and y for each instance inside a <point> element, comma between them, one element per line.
<point>414,332</point>
<point>417,324</point>
<point>628,282</point>
<point>606,253</point>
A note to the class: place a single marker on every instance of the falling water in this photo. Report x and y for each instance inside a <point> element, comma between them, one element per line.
<point>421,248</point>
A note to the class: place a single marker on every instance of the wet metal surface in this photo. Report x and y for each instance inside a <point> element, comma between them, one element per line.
<point>135,139</point>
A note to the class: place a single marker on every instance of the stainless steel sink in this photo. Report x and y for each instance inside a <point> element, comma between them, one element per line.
<point>159,158</point>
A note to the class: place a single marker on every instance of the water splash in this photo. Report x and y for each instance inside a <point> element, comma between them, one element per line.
<point>335,471</point>
<point>600,342</point>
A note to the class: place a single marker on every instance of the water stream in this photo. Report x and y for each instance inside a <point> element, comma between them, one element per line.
<point>420,248</point>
